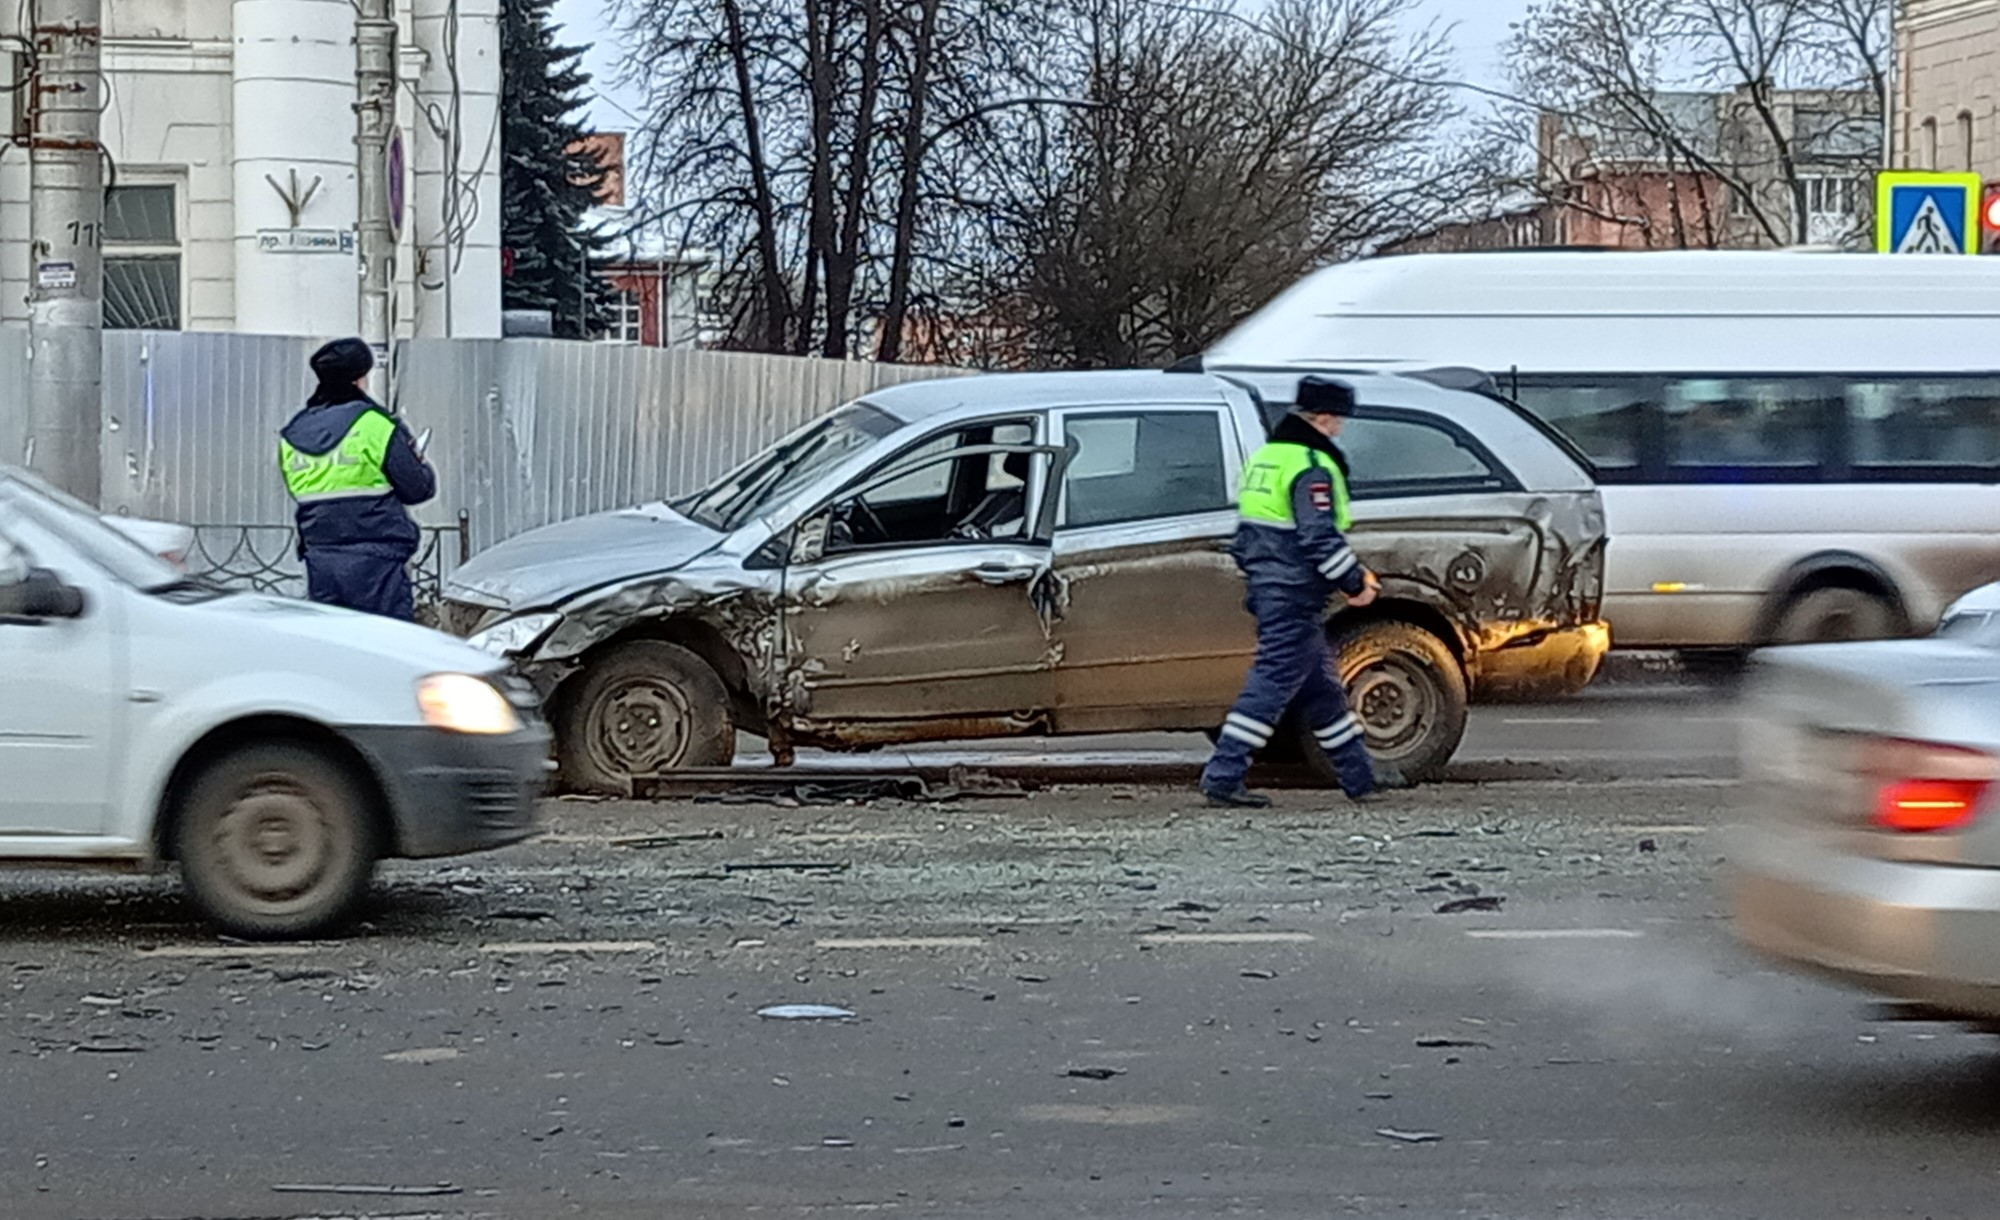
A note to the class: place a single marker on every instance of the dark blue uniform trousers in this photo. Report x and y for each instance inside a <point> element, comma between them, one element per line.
<point>360,580</point>
<point>1294,664</point>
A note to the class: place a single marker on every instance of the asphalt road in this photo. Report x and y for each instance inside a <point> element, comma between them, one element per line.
<point>1097,1002</point>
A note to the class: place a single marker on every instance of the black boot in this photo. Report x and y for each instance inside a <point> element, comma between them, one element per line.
<point>1239,798</point>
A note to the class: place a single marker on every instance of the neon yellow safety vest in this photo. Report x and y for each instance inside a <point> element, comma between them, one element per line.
<point>1268,479</point>
<point>351,470</point>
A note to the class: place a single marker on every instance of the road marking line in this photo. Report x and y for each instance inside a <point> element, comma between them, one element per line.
<point>1552,720</point>
<point>233,950</point>
<point>570,946</point>
<point>1554,934</point>
<point>900,942</point>
<point>1226,938</point>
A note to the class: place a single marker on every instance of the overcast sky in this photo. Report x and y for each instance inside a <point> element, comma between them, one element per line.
<point>1481,26</point>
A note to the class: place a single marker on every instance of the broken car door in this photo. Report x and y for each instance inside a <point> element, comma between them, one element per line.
<point>916,603</point>
<point>1153,631</point>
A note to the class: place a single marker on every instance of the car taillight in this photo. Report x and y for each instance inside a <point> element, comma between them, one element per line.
<point>1923,787</point>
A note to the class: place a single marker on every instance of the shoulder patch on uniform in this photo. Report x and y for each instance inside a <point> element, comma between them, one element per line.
<point>1322,494</point>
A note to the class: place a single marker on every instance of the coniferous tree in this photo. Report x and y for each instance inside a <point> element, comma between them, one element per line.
<point>547,183</point>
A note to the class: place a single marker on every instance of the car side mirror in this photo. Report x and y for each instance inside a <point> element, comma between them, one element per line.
<point>41,595</point>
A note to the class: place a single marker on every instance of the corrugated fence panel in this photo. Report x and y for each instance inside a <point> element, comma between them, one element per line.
<point>191,424</point>
<point>523,431</point>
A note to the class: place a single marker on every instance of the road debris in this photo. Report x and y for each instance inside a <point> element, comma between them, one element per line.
<point>805,1012</point>
<point>966,781</point>
<point>643,841</point>
<point>1093,1073</point>
<point>1408,1137</point>
<point>778,866</point>
<point>339,1188</point>
<point>1436,1041</point>
<point>1258,974</point>
<point>1459,906</point>
<point>423,1054</point>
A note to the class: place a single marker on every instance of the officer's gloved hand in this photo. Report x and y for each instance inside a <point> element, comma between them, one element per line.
<point>1371,588</point>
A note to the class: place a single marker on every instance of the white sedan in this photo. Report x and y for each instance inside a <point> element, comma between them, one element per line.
<point>273,748</point>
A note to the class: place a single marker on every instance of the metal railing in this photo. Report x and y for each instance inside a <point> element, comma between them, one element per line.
<point>265,559</point>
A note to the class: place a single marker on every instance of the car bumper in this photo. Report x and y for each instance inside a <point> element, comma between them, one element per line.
<point>1928,933</point>
<point>451,793</point>
<point>1557,662</point>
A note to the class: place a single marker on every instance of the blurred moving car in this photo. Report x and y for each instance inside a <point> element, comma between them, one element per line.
<point>275,749</point>
<point>1873,853</point>
<point>1041,554</point>
<point>169,541</point>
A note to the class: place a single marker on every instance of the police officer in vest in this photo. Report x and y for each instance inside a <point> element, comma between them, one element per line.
<point>353,468</point>
<point>1289,544</point>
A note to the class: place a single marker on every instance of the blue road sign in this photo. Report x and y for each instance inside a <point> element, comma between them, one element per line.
<point>1927,213</point>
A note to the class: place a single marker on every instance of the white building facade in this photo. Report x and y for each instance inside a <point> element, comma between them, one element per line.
<point>1947,104</point>
<point>231,197</point>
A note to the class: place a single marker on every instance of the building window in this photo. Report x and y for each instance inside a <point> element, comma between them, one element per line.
<point>142,258</point>
<point>627,318</point>
<point>1927,145</point>
<point>1832,196</point>
<point>1833,209</point>
<point>1965,139</point>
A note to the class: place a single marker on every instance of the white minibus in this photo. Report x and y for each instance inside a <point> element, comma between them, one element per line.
<point>1792,445</point>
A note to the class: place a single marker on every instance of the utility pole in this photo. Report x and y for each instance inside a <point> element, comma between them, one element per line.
<point>66,238</point>
<point>375,119</point>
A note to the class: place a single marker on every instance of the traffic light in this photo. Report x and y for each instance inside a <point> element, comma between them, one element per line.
<point>1989,221</point>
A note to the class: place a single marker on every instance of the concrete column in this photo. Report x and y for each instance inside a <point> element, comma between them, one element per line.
<point>293,96</point>
<point>457,233</point>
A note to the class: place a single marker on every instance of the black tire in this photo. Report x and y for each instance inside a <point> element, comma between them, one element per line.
<point>277,840</point>
<point>1835,613</point>
<point>1409,693</point>
<point>638,710</point>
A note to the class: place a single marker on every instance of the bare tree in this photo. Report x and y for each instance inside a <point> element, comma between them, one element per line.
<point>797,137</point>
<point>1791,92</point>
<point>1223,156</point>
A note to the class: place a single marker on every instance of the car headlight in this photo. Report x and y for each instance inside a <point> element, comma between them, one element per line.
<point>514,636</point>
<point>461,703</point>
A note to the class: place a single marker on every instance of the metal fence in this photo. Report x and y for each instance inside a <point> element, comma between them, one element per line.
<point>265,559</point>
<point>524,431</point>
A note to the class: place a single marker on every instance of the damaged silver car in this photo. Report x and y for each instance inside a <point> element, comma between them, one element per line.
<point>1041,554</point>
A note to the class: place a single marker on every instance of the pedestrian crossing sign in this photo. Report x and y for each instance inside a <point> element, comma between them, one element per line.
<point>1926,213</point>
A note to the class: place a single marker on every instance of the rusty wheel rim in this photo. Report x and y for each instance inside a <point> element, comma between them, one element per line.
<point>274,843</point>
<point>1395,705</point>
<point>642,726</point>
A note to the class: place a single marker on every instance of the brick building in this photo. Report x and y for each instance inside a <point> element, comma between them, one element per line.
<point>1691,170</point>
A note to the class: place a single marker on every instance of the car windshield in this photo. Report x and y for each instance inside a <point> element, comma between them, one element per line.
<point>787,467</point>
<point>75,523</point>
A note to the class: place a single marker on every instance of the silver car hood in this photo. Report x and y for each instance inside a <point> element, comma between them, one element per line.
<point>545,566</point>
